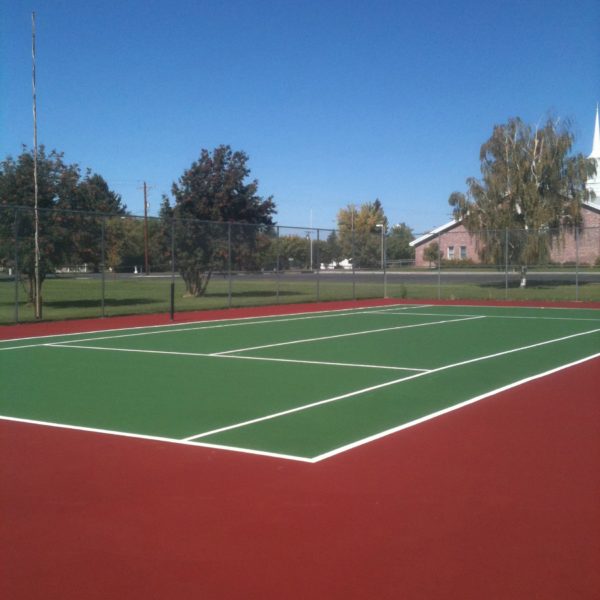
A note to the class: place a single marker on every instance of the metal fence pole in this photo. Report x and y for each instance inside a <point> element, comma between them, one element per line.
<point>102,269</point>
<point>576,263</point>
<point>384,250</point>
<point>318,267</point>
<point>506,263</point>
<point>228,265</point>
<point>172,290</point>
<point>278,271</point>
<point>353,269</point>
<point>16,273</point>
<point>439,266</point>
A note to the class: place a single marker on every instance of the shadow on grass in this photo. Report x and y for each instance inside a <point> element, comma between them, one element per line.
<point>536,284</point>
<point>92,303</point>
<point>251,294</point>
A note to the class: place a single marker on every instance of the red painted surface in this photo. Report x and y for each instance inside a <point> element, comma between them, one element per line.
<point>82,325</point>
<point>499,500</point>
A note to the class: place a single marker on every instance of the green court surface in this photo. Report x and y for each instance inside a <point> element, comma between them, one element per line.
<point>303,386</point>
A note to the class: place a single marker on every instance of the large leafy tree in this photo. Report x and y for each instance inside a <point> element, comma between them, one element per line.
<point>359,236</point>
<point>211,195</point>
<point>65,236</point>
<point>398,242</point>
<point>530,185</point>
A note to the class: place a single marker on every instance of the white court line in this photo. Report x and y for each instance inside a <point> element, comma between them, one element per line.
<point>444,411</point>
<point>387,384</point>
<point>341,335</point>
<point>239,321</point>
<point>312,460</point>
<point>73,346</point>
<point>156,438</point>
<point>528,318</point>
<point>169,327</point>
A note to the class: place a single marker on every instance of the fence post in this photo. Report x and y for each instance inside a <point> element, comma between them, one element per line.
<point>172,290</point>
<point>353,269</point>
<point>102,269</point>
<point>576,263</point>
<point>506,263</point>
<point>278,271</point>
<point>228,265</point>
<point>318,267</point>
<point>17,274</point>
<point>384,253</point>
<point>439,266</point>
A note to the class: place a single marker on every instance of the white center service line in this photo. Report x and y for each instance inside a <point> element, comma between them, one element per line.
<point>341,335</point>
<point>383,385</point>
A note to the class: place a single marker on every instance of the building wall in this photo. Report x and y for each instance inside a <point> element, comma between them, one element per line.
<point>562,251</point>
<point>464,246</point>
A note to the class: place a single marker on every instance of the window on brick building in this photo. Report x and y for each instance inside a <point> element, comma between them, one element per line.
<point>463,252</point>
<point>450,252</point>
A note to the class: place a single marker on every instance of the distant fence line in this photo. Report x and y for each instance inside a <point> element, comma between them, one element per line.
<point>96,264</point>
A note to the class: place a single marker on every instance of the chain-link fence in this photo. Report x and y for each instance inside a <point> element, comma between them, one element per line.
<point>95,265</point>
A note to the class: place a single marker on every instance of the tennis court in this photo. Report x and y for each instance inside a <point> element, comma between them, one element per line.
<point>300,386</point>
<point>273,453</point>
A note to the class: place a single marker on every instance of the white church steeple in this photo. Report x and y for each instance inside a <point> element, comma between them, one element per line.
<point>593,183</point>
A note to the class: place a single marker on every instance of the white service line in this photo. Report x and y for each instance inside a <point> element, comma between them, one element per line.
<point>386,384</point>
<point>231,356</point>
<point>341,335</point>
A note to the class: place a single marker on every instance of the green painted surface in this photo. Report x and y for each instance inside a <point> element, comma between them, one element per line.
<point>133,385</point>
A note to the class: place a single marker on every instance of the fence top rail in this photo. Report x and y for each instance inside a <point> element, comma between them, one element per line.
<point>277,226</point>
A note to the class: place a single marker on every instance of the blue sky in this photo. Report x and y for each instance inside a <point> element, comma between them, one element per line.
<point>335,102</point>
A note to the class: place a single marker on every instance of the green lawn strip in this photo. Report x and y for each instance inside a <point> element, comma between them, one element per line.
<point>167,396</point>
<point>70,297</point>
<point>430,346</point>
<point>330,426</point>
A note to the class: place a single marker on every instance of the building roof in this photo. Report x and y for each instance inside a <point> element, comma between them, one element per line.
<point>434,232</point>
<point>454,223</point>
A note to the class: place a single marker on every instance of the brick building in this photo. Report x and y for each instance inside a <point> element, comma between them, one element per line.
<point>457,244</point>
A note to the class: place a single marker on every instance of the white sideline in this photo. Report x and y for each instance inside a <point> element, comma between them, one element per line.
<point>203,355</point>
<point>447,410</point>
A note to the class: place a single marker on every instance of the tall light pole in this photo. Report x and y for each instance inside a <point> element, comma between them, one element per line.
<point>36,216</point>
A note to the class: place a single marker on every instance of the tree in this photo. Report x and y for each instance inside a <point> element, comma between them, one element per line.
<point>530,183</point>
<point>359,236</point>
<point>211,195</point>
<point>398,243</point>
<point>432,253</point>
<point>65,236</point>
